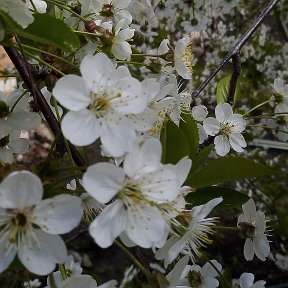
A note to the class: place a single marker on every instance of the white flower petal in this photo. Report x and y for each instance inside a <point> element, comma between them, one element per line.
<point>261,247</point>
<point>121,50</point>
<point>210,283</point>
<point>20,189</point>
<point>260,222</point>
<point>81,128</point>
<point>117,137</point>
<point>246,280</point>
<point>144,157</point>
<point>103,181</point>
<point>199,112</point>
<point>58,215</point>
<point>249,210</point>
<point>145,225</point>
<point>96,69</point>
<point>209,271</point>
<point>248,250</point>
<point>19,145</point>
<point>109,284</point>
<point>72,92</point>
<point>237,142</point>
<point>223,112</point>
<point>6,155</point>
<point>41,259</point>
<point>222,145</point>
<point>109,224</point>
<point>8,252</point>
<point>79,281</point>
<point>24,120</point>
<point>211,126</point>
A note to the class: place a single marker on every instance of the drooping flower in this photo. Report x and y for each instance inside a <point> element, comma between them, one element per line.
<point>141,186</point>
<point>230,126</point>
<point>189,238</point>
<point>100,101</point>
<point>247,281</point>
<point>199,113</point>
<point>21,208</point>
<point>253,224</point>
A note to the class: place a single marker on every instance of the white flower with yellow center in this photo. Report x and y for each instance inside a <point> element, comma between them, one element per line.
<point>183,58</point>
<point>141,187</point>
<point>253,224</point>
<point>30,226</point>
<point>100,102</point>
<point>189,238</point>
<point>230,126</point>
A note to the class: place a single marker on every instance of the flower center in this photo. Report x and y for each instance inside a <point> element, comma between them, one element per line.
<point>99,105</point>
<point>195,278</point>
<point>249,229</point>
<point>187,57</point>
<point>226,128</point>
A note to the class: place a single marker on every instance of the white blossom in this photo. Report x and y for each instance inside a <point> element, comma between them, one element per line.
<point>247,281</point>
<point>254,225</point>
<point>39,249</point>
<point>230,126</point>
<point>141,186</point>
<point>100,101</point>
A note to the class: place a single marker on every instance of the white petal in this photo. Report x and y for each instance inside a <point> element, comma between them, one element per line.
<point>58,215</point>
<point>223,112</point>
<point>109,284</point>
<point>261,247</point>
<point>7,251</point>
<point>202,133</point>
<point>151,88</point>
<point>6,155</point>
<point>121,50</point>
<point>209,271</point>
<point>161,185</point>
<point>79,281</point>
<point>81,128</point>
<point>279,86</point>
<point>96,69</point>
<point>238,123</point>
<point>182,69</point>
<point>248,250</point>
<point>41,259</point>
<point>182,169</point>
<point>199,112</point>
<point>237,142</point>
<point>175,275</point>
<point>249,210</point>
<point>121,4</point>
<point>222,145</point>
<point>20,189</point>
<point>71,92</point>
<point>24,120</point>
<point>19,145</point>
<point>260,223</point>
<point>103,181</point>
<point>145,225</point>
<point>211,126</point>
<point>246,280</point>
<point>210,283</point>
<point>143,158</point>
<point>132,99</point>
<point>117,137</point>
<point>109,224</point>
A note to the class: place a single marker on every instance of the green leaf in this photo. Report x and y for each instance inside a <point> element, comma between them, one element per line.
<point>174,143</point>
<point>226,169</point>
<point>189,127</point>
<point>231,197</point>
<point>201,157</point>
<point>223,86</point>
<point>45,29</point>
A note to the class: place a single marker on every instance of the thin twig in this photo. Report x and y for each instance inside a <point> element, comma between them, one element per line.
<point>237,47</point>
<point>233,81</point>
<point>29,80</point>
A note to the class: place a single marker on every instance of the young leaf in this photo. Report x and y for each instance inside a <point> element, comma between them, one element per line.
<point>226,169</point>
<point>189,127</point>
<point>222,91</point>
<point>174,143</point>
<point>201,157</point>
<point>231,197</point>
<point>45,29</point>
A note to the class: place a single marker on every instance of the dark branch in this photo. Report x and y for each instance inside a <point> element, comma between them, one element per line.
<point>237,47</point>
<point>233,81</point>
<point>26,75</point>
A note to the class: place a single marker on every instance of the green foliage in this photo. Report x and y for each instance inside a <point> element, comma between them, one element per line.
<point>223,86</point>
<point>45,29</point>
<point>201,157</point>
<point>226,169</point>
<point>174,142</point>
<point>231,197</point>
<point>189,127</point>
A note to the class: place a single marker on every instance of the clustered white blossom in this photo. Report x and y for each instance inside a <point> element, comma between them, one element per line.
<point>139,201</point>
